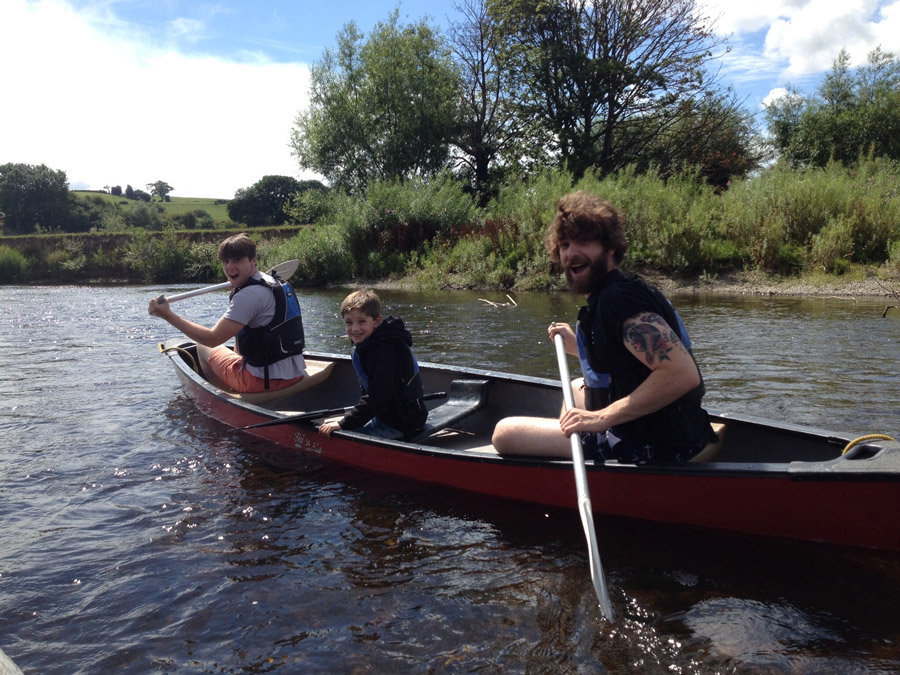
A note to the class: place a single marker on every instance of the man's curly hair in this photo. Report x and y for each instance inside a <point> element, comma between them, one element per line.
<point>581,216</point>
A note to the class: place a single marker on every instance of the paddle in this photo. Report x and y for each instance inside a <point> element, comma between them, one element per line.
<point>328,412</point>
<point>584,498</point>
<point>284,270</point>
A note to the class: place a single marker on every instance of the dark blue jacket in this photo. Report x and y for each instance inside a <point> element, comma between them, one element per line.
<point>389,377</point>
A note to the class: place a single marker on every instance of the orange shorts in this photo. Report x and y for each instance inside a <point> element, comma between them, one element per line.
<point>229,367</point>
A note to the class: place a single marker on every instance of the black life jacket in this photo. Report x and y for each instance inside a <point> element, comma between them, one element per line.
<point>282,337</point>
<point>682,422</point>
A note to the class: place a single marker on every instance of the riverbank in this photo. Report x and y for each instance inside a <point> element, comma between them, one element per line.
<point>759,283</point>
<point>858,284</point>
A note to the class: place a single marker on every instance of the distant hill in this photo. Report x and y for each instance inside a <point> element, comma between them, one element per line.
<point>177,206</point>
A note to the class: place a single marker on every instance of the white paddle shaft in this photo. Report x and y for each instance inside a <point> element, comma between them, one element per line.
<point>284,270</point>
<point>581,487</point>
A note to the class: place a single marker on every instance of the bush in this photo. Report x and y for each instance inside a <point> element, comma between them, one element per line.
<point>145,216</point>
<point>203,262</point>
<point>13,265</point>
<point>832,248</point>
<point>162,258</point>
<point>788,259</point>
<point>308,207</point>
<point>321,252</point>
<point>894,256</point>
<point>198,218</point>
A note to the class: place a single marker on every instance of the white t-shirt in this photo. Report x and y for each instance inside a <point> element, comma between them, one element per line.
<point>254,306</point>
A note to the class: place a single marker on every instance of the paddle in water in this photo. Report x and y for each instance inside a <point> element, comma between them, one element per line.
<point>581,487</point>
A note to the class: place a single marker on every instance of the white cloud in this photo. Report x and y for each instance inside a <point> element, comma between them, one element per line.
<point>776,42</point>
<point>112,107</point>
<point>805,36</point>
<point>743,17</point>
<point>774,95</point>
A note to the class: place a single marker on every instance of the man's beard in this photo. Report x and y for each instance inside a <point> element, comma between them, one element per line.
<point>599,268</point>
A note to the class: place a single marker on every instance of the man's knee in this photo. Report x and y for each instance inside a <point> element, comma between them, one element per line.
<point>503,431</point>
<point>578,392</point>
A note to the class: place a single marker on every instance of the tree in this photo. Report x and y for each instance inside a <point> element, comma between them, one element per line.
<point>33,195</point>
<point>597,81</point>
<point>160,189</point>
<point>714,134</point>
<point>488,130</point>
<point>853,114</point>
<point>264,202</point>
<point>380,109</point>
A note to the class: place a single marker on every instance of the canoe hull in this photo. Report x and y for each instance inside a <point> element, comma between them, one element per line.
<point>819,501</point>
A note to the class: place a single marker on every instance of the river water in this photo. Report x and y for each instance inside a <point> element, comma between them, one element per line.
<point>138,536</point>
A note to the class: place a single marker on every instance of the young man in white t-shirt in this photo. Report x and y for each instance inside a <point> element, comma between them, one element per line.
<point>251,306</point>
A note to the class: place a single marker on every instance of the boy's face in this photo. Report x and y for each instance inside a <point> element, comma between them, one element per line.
<point>238,270</point>
<point>359,326</point>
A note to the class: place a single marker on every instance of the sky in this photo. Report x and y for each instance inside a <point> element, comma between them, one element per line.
<point>204,94</point>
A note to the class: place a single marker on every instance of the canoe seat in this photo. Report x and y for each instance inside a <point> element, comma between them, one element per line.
<point>466,397</point>
<point>712,448</point>
<point>316,373</point>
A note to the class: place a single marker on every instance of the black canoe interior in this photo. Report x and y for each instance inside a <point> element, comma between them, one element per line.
<point>746,439</point>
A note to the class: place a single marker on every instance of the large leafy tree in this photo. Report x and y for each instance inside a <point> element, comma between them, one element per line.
<point>160,189</point>
<point>264,202</point>
<point>714,135</point>
<point>382,108</point>
<point>853,113</point>
<point>33,195</point>
<point>600,81</point>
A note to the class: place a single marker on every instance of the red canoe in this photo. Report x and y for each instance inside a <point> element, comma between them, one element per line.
<point>765,478</point>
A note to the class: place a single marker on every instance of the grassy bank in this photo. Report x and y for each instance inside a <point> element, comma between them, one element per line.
<point>789,226</point>
<point>176,206</point>
<point>136,256</point>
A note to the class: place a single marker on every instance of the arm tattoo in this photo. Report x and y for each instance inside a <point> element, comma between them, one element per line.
<point>650,335</point>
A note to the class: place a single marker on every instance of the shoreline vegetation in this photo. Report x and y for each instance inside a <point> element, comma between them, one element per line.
<point>847,287</point>
<point>824,232</point>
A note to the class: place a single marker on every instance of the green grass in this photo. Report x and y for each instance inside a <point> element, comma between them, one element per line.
<point>175,207</point>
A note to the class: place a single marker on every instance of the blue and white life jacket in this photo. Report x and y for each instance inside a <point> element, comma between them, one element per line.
<point>282,337</point>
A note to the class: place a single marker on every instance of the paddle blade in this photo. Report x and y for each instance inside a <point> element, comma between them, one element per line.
<point>285,270</point>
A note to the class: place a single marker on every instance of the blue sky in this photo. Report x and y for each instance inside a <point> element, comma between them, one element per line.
<point>204,95</point>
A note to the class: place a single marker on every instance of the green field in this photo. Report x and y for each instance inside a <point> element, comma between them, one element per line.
<point>177,205</point>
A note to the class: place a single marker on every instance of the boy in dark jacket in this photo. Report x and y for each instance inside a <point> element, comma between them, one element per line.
<point>391,404</point>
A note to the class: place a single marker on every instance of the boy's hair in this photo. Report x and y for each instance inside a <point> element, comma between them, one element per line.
<point>236,247</point>
<point>581,216</point>
<point>364,300</point>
